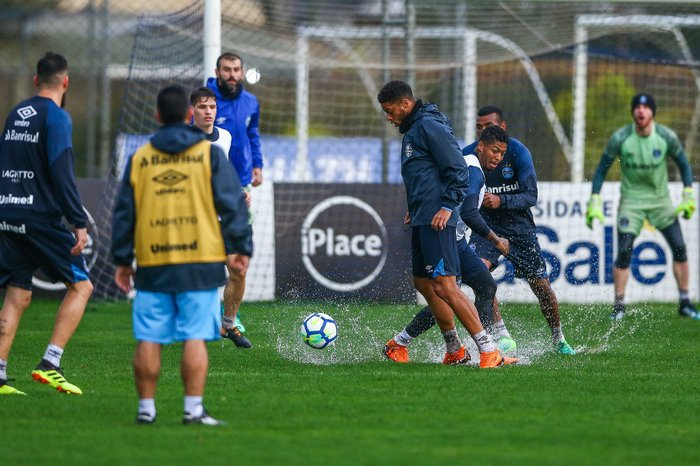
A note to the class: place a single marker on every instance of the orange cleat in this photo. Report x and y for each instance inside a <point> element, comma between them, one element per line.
<point>396,352</point>
<point>495,359</point>
<point>458,357</point>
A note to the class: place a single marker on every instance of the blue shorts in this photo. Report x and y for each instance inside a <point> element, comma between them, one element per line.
<point>26,247</point>
<point>434,252</point>
<point>470,264</point>
<point>525,254</point>
<point>167,317</point>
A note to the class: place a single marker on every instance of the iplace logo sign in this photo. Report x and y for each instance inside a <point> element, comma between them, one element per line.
<point>344,243</point>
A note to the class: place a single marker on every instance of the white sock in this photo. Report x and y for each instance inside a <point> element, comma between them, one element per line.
<point>227,323</point>
<point>501,330</point>
<point>147,406</point>
<point>3,369</point>
<point>403,338</point>
<point>194,406</point>
<point>484,341</point>
<point>557,334</point>
<point>53,354</point>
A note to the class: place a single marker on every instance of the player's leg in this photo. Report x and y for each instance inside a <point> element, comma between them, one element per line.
<point>233,296</point>
<point>526,257</point>
<point>16,302</point>
<point>147,357</point>
<point>153,316</point>
<point>396,349</point>
<point>681,270</point>
<point>630,219</point>
<point>198,321</point>
<point>442,264</point>
<point>489,255</point>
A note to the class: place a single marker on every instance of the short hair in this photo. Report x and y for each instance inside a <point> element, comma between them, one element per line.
<point>395,90</point>
<point>201,94</point>
<point>492,134</point>
<point>489,109</point>
<point>172,104</point>
<point>228,56</point>
<point>50,68</point>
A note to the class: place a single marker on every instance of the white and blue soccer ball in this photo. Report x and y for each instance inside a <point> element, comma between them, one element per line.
<point>319,330</point>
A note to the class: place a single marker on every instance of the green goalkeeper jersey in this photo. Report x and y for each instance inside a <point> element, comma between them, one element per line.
<point>643,163</point>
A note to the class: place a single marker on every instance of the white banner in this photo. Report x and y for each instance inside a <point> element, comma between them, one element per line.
<point>580,260</point>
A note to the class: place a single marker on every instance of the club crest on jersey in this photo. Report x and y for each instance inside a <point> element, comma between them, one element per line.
<point>507,172</point>
<point>409,150</point>
<point>656,153</point>
<point>221,120</point>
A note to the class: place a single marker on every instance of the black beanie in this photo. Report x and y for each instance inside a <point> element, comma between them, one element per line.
<point>644,99</point>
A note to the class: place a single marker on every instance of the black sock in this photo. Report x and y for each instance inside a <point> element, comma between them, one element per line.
<point>421,322</point>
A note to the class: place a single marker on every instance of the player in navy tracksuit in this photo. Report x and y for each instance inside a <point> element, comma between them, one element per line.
<point>37,188</point>
<point>237,112</point>
<point>511,190</point>
<point>435,176</point>
<point>487,155</point>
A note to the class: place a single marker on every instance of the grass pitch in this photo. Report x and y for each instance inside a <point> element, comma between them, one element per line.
<point>629,397</point>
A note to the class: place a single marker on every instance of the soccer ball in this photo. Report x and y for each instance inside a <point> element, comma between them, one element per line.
<point>319,330</point>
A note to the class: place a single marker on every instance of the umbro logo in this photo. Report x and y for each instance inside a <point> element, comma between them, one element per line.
<point>26,112</point>
<point>170,178</point>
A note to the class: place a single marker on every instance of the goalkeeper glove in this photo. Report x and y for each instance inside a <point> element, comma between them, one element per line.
<point>687,205</point>
<point>594,210</point>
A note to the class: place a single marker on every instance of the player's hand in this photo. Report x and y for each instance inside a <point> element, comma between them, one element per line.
<point>503,246</point>
<point>81,240</point>
<point>491,201</point>
<point>440,219</point>
<point>687,205</point>
<point>248,198</point>
<point>239,263</point>
<point>407,219</point>
<point>123,277</point>
<point>257,177</point>
<point>594,210</point>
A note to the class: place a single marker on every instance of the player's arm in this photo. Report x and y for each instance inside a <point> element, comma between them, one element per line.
<point>594,208</point>
<point>124,221</point>
<point>453,169</point>
<point>677,154</point>
<point>230,203</point>
<point>59,149</point>
<point>527,180</point>
<point>472,217</point>
<point>255,146</point>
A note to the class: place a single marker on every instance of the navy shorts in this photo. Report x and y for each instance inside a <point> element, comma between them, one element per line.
<point>26,247</point>
<point>470,263</point>
<point>434,252</point>
<point>525,254</point>
<point>228,247</point>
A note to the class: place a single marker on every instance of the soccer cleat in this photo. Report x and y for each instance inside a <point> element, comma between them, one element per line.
<point>234,334</point>
<point>145,418</point>
<point>564,348</point>
<point>495,359</point>
<point>396,352</point>
<point>506,344</point>
<point>203,419</point>
<point>238,322</point>
<point>53,377</point>
<point>8,390</point>
<point>458,357</point>
<point>618,312</point>
<point>686,309</point>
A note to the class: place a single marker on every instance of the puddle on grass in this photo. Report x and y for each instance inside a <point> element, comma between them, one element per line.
<point>361,337</point>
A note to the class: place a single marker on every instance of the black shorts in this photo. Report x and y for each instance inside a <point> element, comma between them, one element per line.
<point>525,254</point>
<point>434,252</point>
<point>228,247</point>
<point>26,247</point>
